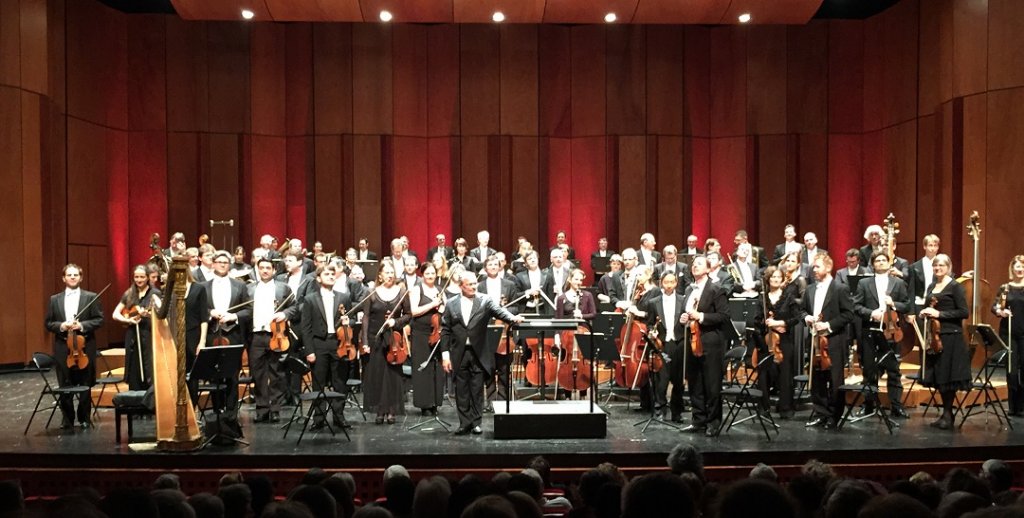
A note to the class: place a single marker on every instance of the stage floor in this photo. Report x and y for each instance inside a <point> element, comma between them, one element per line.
<point>430,447</point>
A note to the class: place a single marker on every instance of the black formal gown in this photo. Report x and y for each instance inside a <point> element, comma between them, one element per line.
<point>951,368</point>
<point>427,384</point>
<point>134,341</point>
<point>383,383</point>
<point>1015,303</point>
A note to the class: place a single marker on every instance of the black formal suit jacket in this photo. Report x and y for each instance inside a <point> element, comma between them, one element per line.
<point>754,275</point>
<point>234,332</point>
<point>677,268</point>
<point>509,291</point>
<point>570,252</point>
<point>307,284</point>
<point>843,276</point>
<point>415,282</point>
<point>91,320</point>
<point>866,298</point>
<point>281,292</point>
<point>714,304</point>
<point>803,254</point>
<point>468,261</point>
<point>547,285</point>
<point>475,254</point>
<point>618,286</point>
<point>370,256</point>
<point>455,332</point>
<point>313,326</point>
<point>655,256</point>
<point>838,307</point>
<point>197,313</point>
<point>757,256</point>
<point>724,279</point>
<point>448,252</point>
<point>780,250</point>
<point>565,276</point>
<point>865,255</point>
<point>655,309</point>
<point>915,282</point>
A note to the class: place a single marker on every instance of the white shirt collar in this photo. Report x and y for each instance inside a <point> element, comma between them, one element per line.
<point>68,292</point>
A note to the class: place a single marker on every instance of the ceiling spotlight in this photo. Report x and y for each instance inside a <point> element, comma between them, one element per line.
<point>610,17</point>
<point>385,16</point>
<point>498,16</point>
<point>247,14</point>
<point>744,18</point>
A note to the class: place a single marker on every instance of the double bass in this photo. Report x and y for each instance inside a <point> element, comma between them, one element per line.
<point>633,371</point>
<point>975,287</point>
<point>574,373</point>
<point>891,325</point>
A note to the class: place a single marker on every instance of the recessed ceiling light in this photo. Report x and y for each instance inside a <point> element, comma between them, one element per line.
<point>744,18</point>
<point>247,14</point>
<point>610,17</point>
<point>385,16</point>
<point>498,16</point>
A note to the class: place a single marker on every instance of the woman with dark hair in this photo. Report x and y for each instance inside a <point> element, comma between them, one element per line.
<point>134,311</point>
<point>383,385</point>
<point>424,303</point>
<point>1009,307</point>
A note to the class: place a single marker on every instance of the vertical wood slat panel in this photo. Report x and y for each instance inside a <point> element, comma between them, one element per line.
<point>665,80</point>
<point>589,210</point>
<point>372,97</point>
<point>187,100</point>
<point>626,79</point>
<point>970,51</point>
<point>443,113</point>
<point>632,188</point>
<point>409,205</point>
<point>728,81</point>
<point>33,171</point>
<point>1006,159</point>
<point>12,233</point>
<point>846,77</point>
<point>772,188</point>
<point>10,43</point>
<point>806,73</point>
<point>327,174</point>
<point>269,78</point>
<point>1005,44</point>
<point>697,81</point>
<point>525,187</point>
<point>766,85</point>
<point>410,80</point>
<point>332,78</point>
<point>587,97</point>
<point>147,74</point>
<point>182,193</point>
<point>844,163</point>
<point>266,206</point>
<point>518,87</point>
<point>298,88</point>
<point>228,68</point>
<point>555,89</point>
<point>812,164</point>
<point>670,180</point>
<point>479,50</point>
<point>473,186</point>
<point>728,188</point>
<point>367,182</point>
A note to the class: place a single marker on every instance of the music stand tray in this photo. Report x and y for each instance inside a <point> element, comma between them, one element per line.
<point>369,268</point>
<point>221,362</point>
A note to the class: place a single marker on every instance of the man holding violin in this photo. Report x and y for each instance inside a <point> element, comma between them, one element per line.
<point>707,305</point>
<point>664,313</point>
<point>322,317</point>
<point>66,319</point>
<point>464,344</point>
<point>879,302</point>
<point>272,301</point>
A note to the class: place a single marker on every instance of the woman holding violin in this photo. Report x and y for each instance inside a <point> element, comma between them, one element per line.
<point>949,369</point>
<point>134,312</point>
<point>1009,307</point>
<point>425,305</point>
<point>777,339</point>
<point>383,386</point>
<point>575,302</point>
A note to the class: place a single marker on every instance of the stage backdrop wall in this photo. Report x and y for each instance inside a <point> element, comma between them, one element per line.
<point>115,126</point>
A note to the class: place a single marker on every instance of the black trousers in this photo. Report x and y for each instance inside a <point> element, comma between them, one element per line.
<point>825,383</point>
<point>1014,375</point>
<point>68,377</point>
<point>671,372</point>
<point>704,376</point>
<point>329,371</point>
<point>469,389</point>
<point>266,368</point>
<point>880,354</point>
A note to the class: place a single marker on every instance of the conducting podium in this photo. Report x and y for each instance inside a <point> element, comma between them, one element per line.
<point>543,419</point>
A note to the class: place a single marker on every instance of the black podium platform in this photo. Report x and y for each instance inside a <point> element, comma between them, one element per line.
<point>549,420</point>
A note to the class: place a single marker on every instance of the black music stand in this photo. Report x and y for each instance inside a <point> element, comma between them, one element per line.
<point>600,265</point>
<point>610,323</point>
<point>982,382</point>
<point>540,327</point>
<point>369,269</point>
<point>218,363</point>
<point>597,347</point>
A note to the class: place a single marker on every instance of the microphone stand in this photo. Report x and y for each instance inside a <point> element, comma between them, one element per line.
<point>431,359</point>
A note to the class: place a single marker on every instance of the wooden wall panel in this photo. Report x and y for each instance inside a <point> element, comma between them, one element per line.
<point>147,74</point>
<point>480,76</point>
<point>372,97</point>
<point>901,175</point>
<point>328,192</point>
<point>87,183</point>
<point>806,78</point>
<point>845,77</point>
<point>929,59</point>
<point>183,178</point>
<point>1005,44</point>
<point>772,187</point>
<point>519,80</point>
<point>299,79</point>
<point>588,195</point>
<point>473,186</point>
<point>670,180</point>
<point>766,87</point>
<point>10,43</point>
<point>34,114</point>
<point>728,188</point>
<point>1005,162</point>
<point>928,209</point>
<point>410,79</point>
<point>556,168</point>
<point>975,180</point>
<point>844,187</point>
<point>443,116</point>
<point>366,168</point>
<point>268,46</point>
<point>873,197</point>
<point>408,203</point>
<point>221,169</point>
<point>97,87</point>
<point>665,80</point>
<point>588,80</point>
<point>699,170</point>
<point>228,70</point>
<point>332,78</point>
<point>526,214</point>
<point>812,176</point>
<point>874,78</point>
<point>970,50</point>
<point>187,101</point>
<point>299,156</point>
<point>900,63</point>
<point>632,190</point>
<point>728,81</point>
<point>555,81</point>
<point>626,80</point>
<point>12,233</point>
<point>33,44</point>
<point>696,81</point>
<point>147,191</point>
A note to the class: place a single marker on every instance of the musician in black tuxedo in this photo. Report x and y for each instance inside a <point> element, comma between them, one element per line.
<point>602,251</point>
<point>301,283</point>
<point>874,296</point>
<point>463,257</point>
<point>708,304</point>
<point>920,274</point>
<point>464,348</point>
<point>536,284</point>
<point>873,235</point>
<point>811,250</point>
<point>504,291</point>
<point>671,264</point>
<point>176,246</point>
<point>272,301</point>
<point>559,271</point>
<point>441,247</point>
<point>853,267</point>
<point>718,275</point>
<point>624,281</point>
<point>74,309</point>
<point>827,308</point>
<point>569,252</point>
<point>363,252</point>
<point>789,244</point>
<point>664,313</point>
<point>692,246</point>
<point>481,251</point>
<point>228,318</point>
<point>646,254</point>
<point>757,254</point>
<point>321,318</point>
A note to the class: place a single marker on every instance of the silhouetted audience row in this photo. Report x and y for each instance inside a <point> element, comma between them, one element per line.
<point>601,492</point>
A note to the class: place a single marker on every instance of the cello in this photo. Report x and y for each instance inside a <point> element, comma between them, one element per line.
<point>633,371</point>
<point>574,374</point>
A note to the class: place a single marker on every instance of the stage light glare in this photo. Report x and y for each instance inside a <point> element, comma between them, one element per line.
<point>247,14</point>
<point>498,16</point>
<point>385,16</point>
<point>610,17</point>
<point>744,18</point>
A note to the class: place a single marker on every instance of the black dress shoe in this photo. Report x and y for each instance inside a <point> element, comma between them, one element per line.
<point>944,424</point>
<point>463,430</point>
<point>677,418</point>
<point>477,431</point>
<point>817,421</point>
<point>318,426</point>
<point>87,425</point>
<point>342,425</point>
<point>830,424</point>
<point>489,408</point>
<point>786,415</point>
<point>275,417</point>
<point>710,432</point>
<point>898,411</point>
<point>264,418</point>
<point>67,425</point>
<point>694,429</point>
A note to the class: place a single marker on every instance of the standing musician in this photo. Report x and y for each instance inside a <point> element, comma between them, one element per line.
<point>321,318</point>
<point>383,385</point>
<point>692,247</point>
<point>647,255</point>
<point>481,252</point>
<point>670,264</point>
<point>463,257</point>
<point>712,244</point>
<point>782,299</point>
<point>134,311</point>
<point>197,316</point>
<point>1009,307</point>
<point>63,317</point>
<point>826,310</point>
<point>229,314</point>
<point>533,282</point>
<point>410,268</point>
<point>667,309</point>
<point>424,302</point>
<point>624,281</point>
<point>574,301</point>
<point>605,286</point>
<point>176,246</point>
<point>364,253</point>
<point>398,252</point>
<point>719,275</point>
<point>441,247</point>
<point>747,270</point>
<point>503,290</point>
<point>788,245</point>
<point>272,300</point>
<point>873,235</point>
<point>757,255</point>
<point>560,243</point>
<point>949,370</point>
<point>205,270</point>
<point>519,257</point>
<point>239,268</point>
<point>811,249</point>
<point>708,304</point>
<point>874,298</point>
<point>464,346</point>
<point>602,250</point>
<point>559,271</point>
<point>920,275</point>
<point>853,267</point>
<point>301,284</point>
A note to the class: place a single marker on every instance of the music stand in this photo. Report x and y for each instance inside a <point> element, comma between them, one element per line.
<point>221,363</point>
<point>610,323</point>
<point>540,327</point>
<point>600,265</point>
<point>369,268</point>
<point>597,347</point>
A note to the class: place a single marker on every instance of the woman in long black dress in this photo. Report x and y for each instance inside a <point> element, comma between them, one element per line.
<point>1009,307</point>
<point>950,370</point>
<point>134,311</point>
<point>383,385</point>
<point>781,302</point>
<point>423,303</point>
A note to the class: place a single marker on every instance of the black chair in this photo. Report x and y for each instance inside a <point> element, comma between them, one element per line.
<point>314,399</point>
<point>44,363</point>
<point>355,385</point>
<point>108,377</point>
<point>746,395</point>
<point>863,393</point>
<point>981,386</point>
<point>130,404</point>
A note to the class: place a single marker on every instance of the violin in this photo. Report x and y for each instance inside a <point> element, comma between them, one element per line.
<point>130,312</point>
<point>398,351</point>
<point>696,346</point>
<point>934,326</point>
<point>76,350</point>
<point>819,342</point>
<point>891,325</point>
<point>279,341</point>
<point>657,360</point>
<point>773,338</point>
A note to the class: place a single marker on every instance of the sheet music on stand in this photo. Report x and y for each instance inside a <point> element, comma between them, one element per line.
<point>369,269</point>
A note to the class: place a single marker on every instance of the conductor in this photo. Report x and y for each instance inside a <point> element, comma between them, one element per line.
<point>464,345</point>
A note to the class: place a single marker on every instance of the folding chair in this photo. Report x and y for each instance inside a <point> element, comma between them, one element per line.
<point>982,386</point>
<point>746,395</point>
<point>108,377</point>
<point>315,399</point>
<point>45,363</point>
